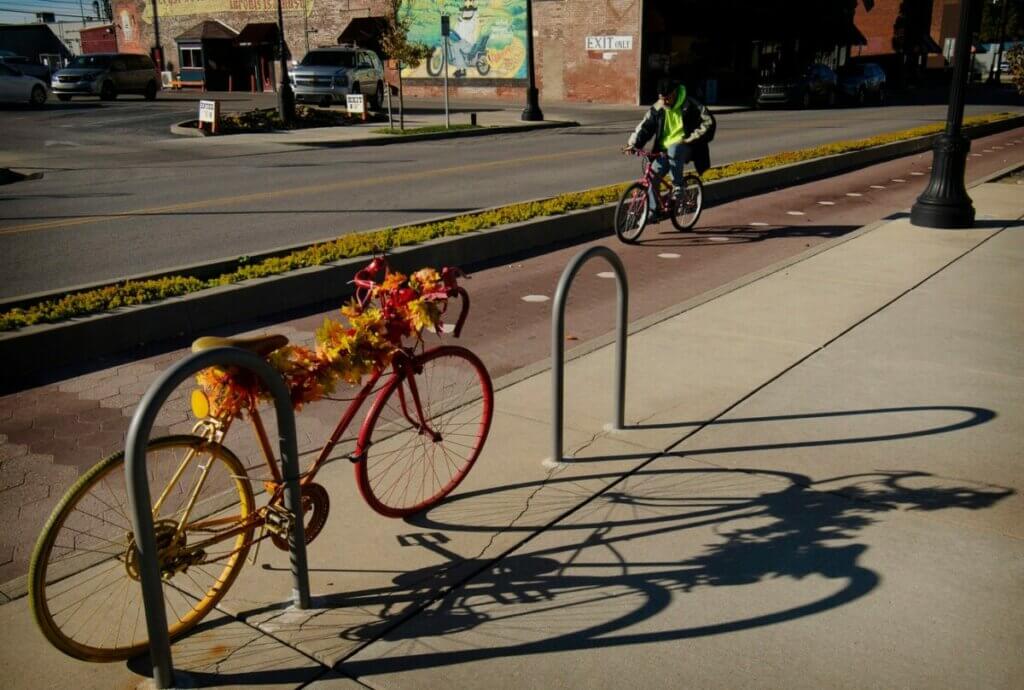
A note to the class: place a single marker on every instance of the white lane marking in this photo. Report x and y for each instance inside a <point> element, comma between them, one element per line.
<point>854,194</point>
<point>917,173</point>
<point>758,224</point>
<point>606,274</point>
<point>535,298</point>
<point>878,186</point>
<point>827,203</point>
<point>896,179</point>
<point>987,150</point>
<point>447,328</point>
<point>997,148</point>
<point>795,213</point>
<point>717,239</point>
<point>976,155</point>
<point>668,255</point>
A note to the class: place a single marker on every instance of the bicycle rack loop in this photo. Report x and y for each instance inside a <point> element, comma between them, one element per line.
<point>139,497</point>
<point>558,341</point>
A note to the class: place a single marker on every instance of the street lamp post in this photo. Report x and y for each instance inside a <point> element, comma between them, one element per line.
<point>531,113</point>
<point>158,51</point>
<point>285,97</point>
<point>944,203</point>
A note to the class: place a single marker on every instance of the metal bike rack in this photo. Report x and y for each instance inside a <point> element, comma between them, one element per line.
<point>139,498</point>
<point>558,341</point>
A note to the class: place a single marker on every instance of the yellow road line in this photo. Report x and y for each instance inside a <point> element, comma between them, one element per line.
<point>295,191</point>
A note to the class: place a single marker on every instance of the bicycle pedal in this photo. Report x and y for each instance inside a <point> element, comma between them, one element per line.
<point>279,520</point>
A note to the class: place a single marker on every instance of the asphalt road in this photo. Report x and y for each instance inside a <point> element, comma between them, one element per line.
<point>119,198</point>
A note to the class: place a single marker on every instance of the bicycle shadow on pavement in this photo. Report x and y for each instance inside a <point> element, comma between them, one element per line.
<point>714,235</point>
<point>571,579</point>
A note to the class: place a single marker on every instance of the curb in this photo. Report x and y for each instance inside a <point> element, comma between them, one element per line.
<point>181,129</point>
<point>87,338</point>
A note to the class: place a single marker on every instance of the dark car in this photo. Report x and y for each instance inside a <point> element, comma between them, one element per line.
<point>862,83</point>
<point>26,66</point>
<point>816,84</point>
<point>107,75</point>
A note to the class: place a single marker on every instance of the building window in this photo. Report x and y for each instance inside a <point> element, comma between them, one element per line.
<point>191,57</point>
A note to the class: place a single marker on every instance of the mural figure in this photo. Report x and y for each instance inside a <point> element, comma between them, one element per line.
<point>487,37</point>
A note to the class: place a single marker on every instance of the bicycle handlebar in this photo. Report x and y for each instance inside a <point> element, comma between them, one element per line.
<point>364,282</point>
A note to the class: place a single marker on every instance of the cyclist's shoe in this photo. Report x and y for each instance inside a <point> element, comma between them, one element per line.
<point>678,193</point>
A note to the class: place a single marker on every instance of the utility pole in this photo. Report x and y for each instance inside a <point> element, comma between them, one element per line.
<point>158,51</point>
<point>285,97</point>
<point>945,203</point>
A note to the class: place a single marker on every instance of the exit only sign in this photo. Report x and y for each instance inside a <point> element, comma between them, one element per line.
<point>609,43</point>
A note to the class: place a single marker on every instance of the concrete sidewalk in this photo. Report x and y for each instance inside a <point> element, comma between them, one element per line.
<point>820,487</point>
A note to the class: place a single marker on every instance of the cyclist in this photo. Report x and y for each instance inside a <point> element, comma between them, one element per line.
<point>679,125</point>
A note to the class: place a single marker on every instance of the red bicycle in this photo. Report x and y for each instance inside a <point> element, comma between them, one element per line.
<point>649,199</point>
<point>426,425</point>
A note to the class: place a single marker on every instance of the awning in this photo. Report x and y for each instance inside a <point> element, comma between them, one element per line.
<point>206,31</point>
<point>257,35</point>
<point>365,32</point>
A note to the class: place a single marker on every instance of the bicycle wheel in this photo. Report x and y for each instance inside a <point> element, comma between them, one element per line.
<point>632,213</point>
<point>405,469</point>
<point>83,577</point>
<point>686,211</point>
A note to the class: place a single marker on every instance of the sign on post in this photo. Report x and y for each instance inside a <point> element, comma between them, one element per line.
<point>356,104</point>
<point>209,111</point>
<point>446,26</point>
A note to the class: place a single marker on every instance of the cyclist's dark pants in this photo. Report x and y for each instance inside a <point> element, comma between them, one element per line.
<point>678,156</point>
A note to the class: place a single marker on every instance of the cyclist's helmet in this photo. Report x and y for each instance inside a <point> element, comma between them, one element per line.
<point>668,87</point>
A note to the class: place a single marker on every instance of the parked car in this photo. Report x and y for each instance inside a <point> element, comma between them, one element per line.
<point>16,87</point>
<point>327,75</point>
<point>862,83</point>
<point>817,83</point>
<point>26,66</point>
<point>107,75</point>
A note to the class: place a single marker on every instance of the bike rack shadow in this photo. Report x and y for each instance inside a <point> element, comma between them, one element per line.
<point>139,499</point>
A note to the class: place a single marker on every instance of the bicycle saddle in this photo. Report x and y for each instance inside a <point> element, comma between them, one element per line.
<point>261,345</point>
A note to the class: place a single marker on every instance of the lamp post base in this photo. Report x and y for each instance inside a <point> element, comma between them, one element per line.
<point>945,203</point>
<point>532,113</point>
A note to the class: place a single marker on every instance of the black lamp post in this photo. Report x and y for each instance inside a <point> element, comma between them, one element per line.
<point>944,203</point>
<point>158,50</point>
<point>531,113</point>
<point>285,96</point>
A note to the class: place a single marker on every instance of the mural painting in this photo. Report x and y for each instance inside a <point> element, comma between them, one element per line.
<point>487,39</point>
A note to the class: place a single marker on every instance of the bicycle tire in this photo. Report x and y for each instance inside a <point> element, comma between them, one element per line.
<point>631,213</point>
<point>115,590</point>
<point>686,213</point>
<point>399,471</point>
<point>434,68</point>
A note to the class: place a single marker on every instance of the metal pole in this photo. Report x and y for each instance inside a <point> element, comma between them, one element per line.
<point>157,47</point>
<point>1002,40</point>
<point>139,498</point>
<point>285,97</point>
<point>531,113</point>
<point>945,203</point>
<point>558,342</point>
<point>444,54</point>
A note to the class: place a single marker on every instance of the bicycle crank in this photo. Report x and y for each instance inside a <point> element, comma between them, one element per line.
<point>316,504</point>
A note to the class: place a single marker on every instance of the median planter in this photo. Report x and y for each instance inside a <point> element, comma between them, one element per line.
<point>289,278</point>
<point>268,120</point>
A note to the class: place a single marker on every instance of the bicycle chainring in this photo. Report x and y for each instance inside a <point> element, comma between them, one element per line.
<point>316,505</point>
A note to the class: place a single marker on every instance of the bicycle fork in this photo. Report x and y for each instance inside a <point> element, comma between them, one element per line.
<point>421,426</point>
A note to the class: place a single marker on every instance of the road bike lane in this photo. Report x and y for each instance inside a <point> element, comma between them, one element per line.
<point>51,433</point>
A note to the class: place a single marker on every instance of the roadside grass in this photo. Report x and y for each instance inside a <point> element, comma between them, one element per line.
<point>136,292</point>
<point>426,129</point>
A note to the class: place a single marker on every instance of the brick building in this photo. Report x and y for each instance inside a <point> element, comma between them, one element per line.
<point>931,27</point>
<point>602,51</point>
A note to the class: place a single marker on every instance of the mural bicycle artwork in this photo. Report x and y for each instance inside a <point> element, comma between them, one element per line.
<point>487,38</point>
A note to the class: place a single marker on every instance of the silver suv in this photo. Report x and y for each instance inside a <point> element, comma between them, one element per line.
<point>327,75</point>
<point>106,75</point>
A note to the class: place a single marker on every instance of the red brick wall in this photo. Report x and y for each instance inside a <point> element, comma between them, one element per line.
<point>99,39</point>
<point>564,69</point>
<point>877,26</point>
